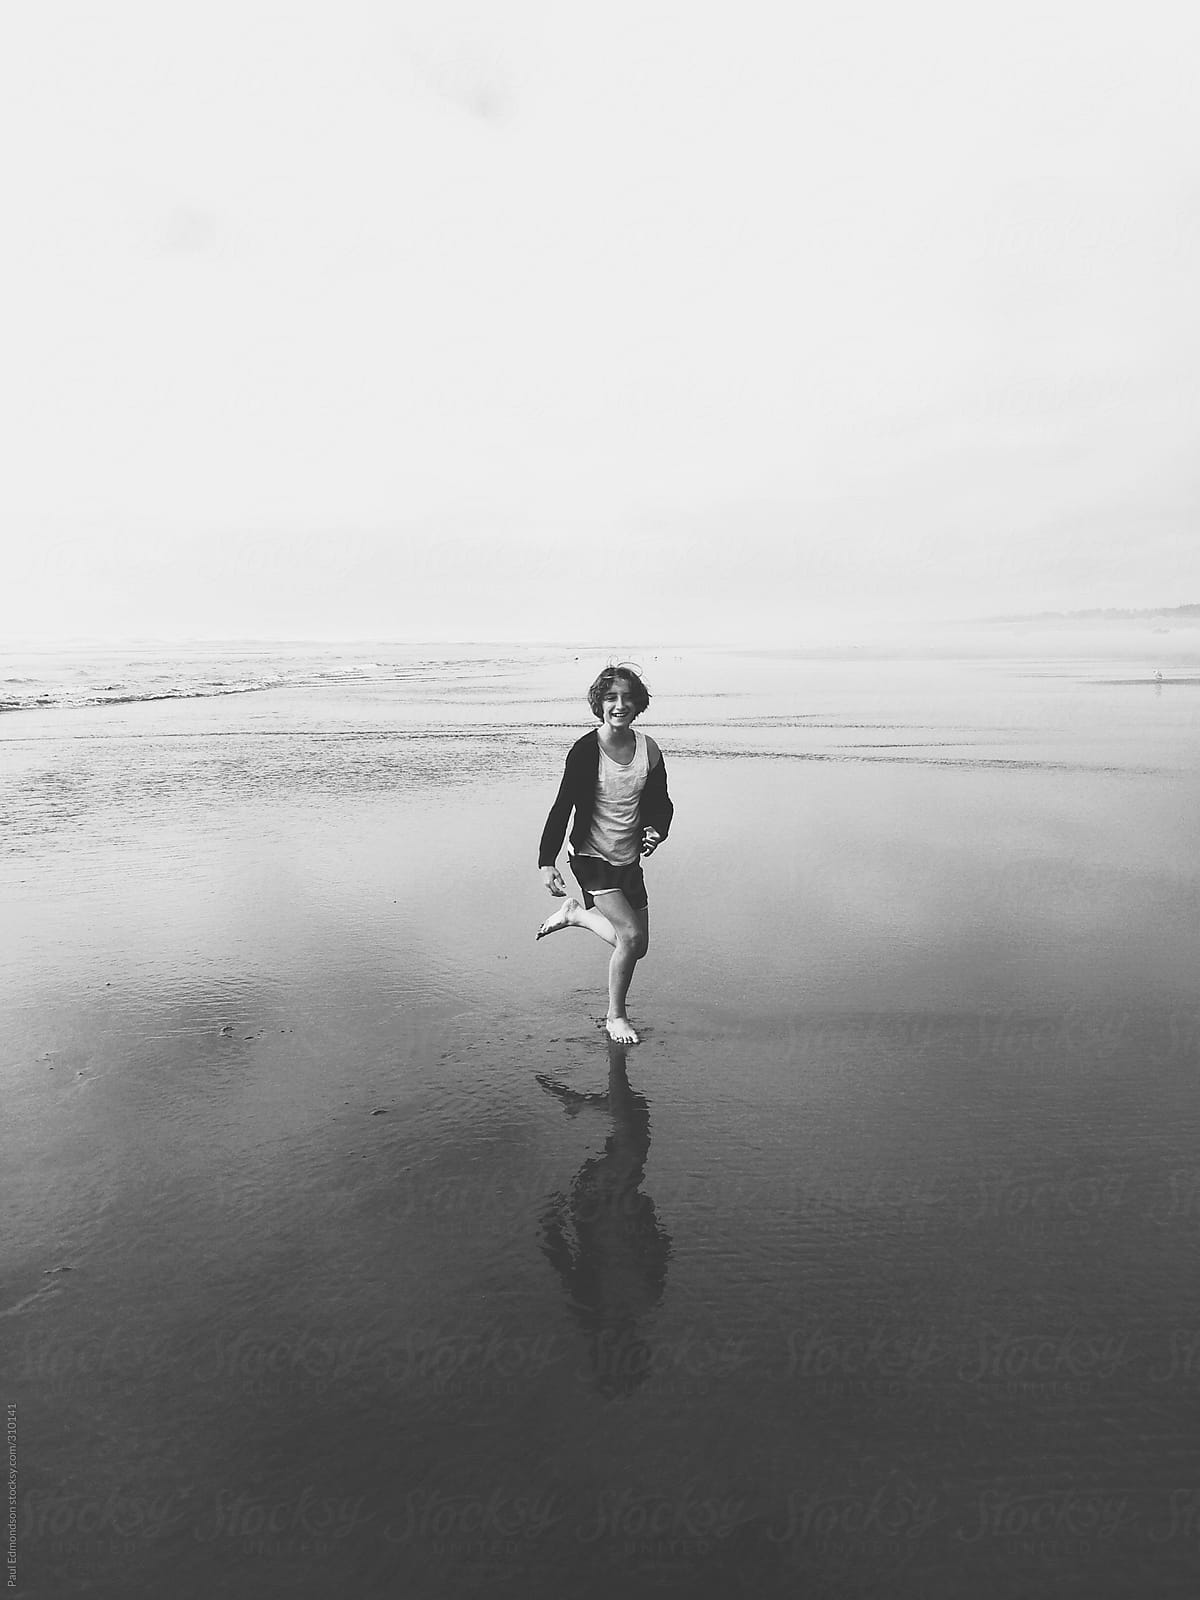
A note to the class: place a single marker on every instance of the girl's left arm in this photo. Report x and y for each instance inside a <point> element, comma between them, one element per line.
<point>657,809</point>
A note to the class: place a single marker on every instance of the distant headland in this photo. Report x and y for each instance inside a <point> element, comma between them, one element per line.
<point>1189,613</point>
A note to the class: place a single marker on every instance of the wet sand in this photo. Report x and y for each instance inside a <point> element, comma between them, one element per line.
<point>343,1255</point>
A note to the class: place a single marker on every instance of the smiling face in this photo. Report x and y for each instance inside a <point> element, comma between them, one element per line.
<point>631,692</point>
<point>619,705</point>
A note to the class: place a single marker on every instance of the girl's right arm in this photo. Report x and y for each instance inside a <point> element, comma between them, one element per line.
<point>555,830</point>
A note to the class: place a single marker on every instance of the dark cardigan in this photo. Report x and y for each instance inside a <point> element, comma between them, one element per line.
<point>578,790</point>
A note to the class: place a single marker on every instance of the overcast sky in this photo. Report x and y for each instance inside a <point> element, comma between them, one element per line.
<point>354,318</point>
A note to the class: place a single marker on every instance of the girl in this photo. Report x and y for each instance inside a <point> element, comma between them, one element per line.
<point>616,783</point>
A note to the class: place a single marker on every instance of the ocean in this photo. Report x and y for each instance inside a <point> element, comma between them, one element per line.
<point>343,1255</point>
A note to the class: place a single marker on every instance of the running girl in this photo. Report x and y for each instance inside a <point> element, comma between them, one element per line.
<point>616,783</point>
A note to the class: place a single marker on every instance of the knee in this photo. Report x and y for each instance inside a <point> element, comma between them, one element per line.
<point>633,944</point>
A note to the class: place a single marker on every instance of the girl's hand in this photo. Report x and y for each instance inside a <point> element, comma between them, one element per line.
<point>651,839</point>
<point>553,879</point>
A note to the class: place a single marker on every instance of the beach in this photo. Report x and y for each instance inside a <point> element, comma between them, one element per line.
<point>343,1256</point>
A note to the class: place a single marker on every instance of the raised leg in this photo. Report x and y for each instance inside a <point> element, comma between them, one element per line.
<point>619,925</point>
<point>573,914</point>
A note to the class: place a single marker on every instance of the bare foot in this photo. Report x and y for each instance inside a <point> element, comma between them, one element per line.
<point>562,918</point>
<point>620,1030</point>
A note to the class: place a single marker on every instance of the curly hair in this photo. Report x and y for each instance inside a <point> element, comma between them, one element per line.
<point>641,695</point>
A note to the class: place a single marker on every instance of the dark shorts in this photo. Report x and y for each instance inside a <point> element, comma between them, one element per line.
<point>595,876</point>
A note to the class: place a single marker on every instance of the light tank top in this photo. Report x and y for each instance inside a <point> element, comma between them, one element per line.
<point>615,835</point>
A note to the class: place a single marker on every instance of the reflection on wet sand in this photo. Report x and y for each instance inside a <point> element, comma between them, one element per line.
<point>604,1239</point>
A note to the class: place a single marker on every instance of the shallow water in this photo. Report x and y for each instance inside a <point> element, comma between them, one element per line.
<point>343,1256</point>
